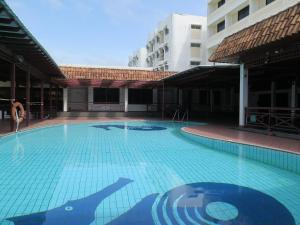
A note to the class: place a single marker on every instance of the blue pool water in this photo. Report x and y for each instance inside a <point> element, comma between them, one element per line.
<point>142,173</point>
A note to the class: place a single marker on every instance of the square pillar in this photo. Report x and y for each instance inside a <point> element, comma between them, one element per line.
<point>12,92</point>
<point>232,98</point>
<point>243,94</point>
<point>65,99</point>
<point>28,98</point>
<point>180,101</point>
<point>50,101</point>
<point>294,95</point>
<point>42,101</point>
<point>56,99</point>
<point>90,98</point>
<point>126,99</point>
<point>163,102</point>
<point>211,100</point>
<point>155,96</point>
<point>273,94</point>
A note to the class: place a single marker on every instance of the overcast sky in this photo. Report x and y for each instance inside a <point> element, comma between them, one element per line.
<point>97,32</point>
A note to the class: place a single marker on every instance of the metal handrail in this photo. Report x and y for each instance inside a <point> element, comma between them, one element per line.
<point>186,114</point>
<point>176,114</point>
<point>282,119</point>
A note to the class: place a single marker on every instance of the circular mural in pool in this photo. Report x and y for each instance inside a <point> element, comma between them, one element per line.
<point>208,204</point>
<point>219,203</point>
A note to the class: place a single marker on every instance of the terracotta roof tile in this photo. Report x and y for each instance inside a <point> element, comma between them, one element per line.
<point>282,25</point>
<point>85,73</point>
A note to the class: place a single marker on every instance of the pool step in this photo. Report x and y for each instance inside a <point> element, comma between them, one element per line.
<point>108,114</point>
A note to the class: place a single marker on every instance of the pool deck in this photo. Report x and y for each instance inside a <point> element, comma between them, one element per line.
<point>5,125</point>
<point>245,137</point>
<point>214,131</point>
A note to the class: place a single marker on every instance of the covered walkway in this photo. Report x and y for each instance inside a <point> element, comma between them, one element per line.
<point>26,71</point>
<point>268,53</point>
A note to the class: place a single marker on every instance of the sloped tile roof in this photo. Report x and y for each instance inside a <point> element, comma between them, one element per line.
<point>88,73</point>
<point>280,26</point>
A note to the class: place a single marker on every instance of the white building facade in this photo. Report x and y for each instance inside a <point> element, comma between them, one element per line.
<point>177,44</point>
<point>226,17</point>
<point>138,59</point>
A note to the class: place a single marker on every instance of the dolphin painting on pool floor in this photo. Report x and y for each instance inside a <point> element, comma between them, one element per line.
<point>77,212</point>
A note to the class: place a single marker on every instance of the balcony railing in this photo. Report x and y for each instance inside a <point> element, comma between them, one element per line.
<point>274,119</point>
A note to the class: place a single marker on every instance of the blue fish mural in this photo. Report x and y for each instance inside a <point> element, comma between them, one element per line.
<point>136,128</point>
<point>190,204</point>
<point>140,214</point>
<point>76,212</point>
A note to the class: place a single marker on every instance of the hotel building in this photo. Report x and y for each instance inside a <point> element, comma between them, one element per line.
<point>138,59</point>
<point>177,44</point>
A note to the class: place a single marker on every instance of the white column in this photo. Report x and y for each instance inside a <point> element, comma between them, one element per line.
<point>90,98</point>
<point>293,95</point>
<point>65,98</point>
<point>243,93</point>
<point>126,99</point>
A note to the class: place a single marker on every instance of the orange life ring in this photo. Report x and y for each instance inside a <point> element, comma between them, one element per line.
<point>15,106</point>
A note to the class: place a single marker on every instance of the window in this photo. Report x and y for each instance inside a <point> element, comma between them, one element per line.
<point>167,31</point>
<point>196,27</point>
<point>220,3</point>
<point>282,100</point>
<point>264,100</point>
<point>140,96</point>
<point>217,98</point>
<point>195,45</point>
<point>196,31</point>
<point>195,50</point>
<point>166,49</point>
<point>195,63</point>
<point>204,97</point>
<point>269,1</point>
<point>243,13</point>
<point>221,26</point>
<point>106,95</point>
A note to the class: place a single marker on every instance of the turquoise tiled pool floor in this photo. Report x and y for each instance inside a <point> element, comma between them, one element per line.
<point>46,168</point>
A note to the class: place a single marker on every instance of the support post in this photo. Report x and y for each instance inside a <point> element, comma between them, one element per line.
<point>28,98</point>
<point>42,100</point>
<point>50,101</point>
<point>273,94</point>
<point>243,94</point>
<point>12,92</point>
<point>180,97</point>
<point>65,99</point>
<point>211,95</point>
<point>293,99</point>
<point>56,99</point>
<point>163,101</point>
<point>293,95</point>
<point>232,98</point>
<point>126,99</point>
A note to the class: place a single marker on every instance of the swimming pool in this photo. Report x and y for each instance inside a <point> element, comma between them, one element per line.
<point>139,173</point>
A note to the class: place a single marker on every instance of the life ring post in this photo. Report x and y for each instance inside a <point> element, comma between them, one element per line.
<point>18,113</point>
